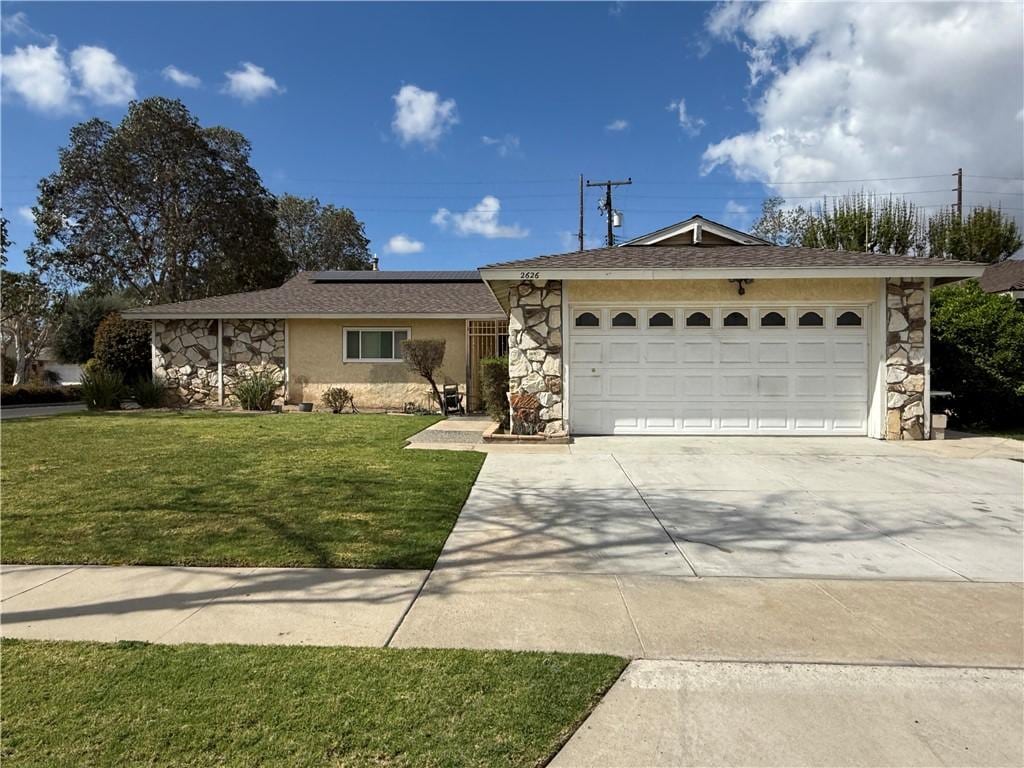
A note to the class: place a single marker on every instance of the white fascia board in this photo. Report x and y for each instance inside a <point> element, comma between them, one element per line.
<point>307,316</point>
<point>959,271</point>
<point>728,233</point>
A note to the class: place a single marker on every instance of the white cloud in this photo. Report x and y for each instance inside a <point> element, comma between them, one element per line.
<point>250,83</point>
<point>481,219</point>
<point>692,125</point>
<point>422,116</point>
<point>737,215</point>
<point>617,125</point>
<point>180,77</point>
<point>870,91</point>
<point>26,214</point>
<point>16,25</point>
<point>40,76</point>
<point>102,78</point>
<point>505,145</point>
<point>403,244</point>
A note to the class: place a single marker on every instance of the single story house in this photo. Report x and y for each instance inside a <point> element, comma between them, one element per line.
<point>328,329</point>
<point>697,328</point>
<point>1004,277</point>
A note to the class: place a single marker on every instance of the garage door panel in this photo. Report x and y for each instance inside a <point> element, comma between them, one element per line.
<point>684,380</point>
<point>698,352</point>
<point>623,352</point>
<point>586,351</point>
<point>734,351</point>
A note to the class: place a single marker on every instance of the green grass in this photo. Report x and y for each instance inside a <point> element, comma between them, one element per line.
<point>228,489</point>
<point>136,704</point>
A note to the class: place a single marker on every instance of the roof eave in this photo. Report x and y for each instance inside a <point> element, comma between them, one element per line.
<point>539,272</point>
<point>214,315</point>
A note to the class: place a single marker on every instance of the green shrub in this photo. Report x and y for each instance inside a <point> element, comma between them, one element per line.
<point>337,399</point>
<point>34,394</point>
<point>494,387</point>
<point>102,389</point>
<point>124,346</point>
<point>149,394</point>
<point>978,355</point>
<point>257,389</point>
<point>75,335</point>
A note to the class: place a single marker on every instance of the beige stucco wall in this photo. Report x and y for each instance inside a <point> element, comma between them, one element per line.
<point>647,291</point>
<point>315,362</point>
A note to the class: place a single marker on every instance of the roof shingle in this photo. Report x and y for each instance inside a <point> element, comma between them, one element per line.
<point>343,295</point>
<point>1004,276</point>
<point>713,257</point>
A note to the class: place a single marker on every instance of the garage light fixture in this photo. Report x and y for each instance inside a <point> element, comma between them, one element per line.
<point>740,282</point>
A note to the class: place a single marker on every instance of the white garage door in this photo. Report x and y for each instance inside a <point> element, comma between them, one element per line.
<point>718,370</point>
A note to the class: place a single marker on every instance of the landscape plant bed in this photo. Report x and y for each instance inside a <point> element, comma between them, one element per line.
<point>157,705</point>
<point>11,395</point>
<point>496,434</point>
<point>233,489</point>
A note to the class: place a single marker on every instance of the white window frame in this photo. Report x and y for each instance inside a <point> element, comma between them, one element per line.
<point>633,312</point>
<point>762,311</point>
<point>837,311</point>
<point>726,311</point>
<point>708,312</point>
<point>648,314</point>
<point>595,312</point>
<point>820,311</point>
<point>344,342</point>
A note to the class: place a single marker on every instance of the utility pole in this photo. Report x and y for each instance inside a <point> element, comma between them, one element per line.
<point>608,202</point>
<point>959,189</point>
<point>581,211</point>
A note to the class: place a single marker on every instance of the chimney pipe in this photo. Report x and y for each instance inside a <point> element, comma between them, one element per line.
<point>375,262</point>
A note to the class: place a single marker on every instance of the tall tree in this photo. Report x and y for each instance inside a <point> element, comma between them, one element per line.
<point>317,237</point>
<point>866,223</point>
<point>80,317</point>
<point>28,310</point>
<point>985,235</point>
<point>5,241</point>
<point>781,225</point>
<point>157,205</point>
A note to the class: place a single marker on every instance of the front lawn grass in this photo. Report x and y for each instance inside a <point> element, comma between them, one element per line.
<point>228,489</point>
<point>123,704</point>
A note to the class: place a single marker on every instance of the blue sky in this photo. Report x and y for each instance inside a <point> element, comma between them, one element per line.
<point>425,118</point>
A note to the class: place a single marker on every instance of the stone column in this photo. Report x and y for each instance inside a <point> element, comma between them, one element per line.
<point>535,357</point>
<point>905,359</point>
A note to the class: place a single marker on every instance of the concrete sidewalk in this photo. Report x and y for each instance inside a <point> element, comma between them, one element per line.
<point>664,713</point>
<point>295,606</point>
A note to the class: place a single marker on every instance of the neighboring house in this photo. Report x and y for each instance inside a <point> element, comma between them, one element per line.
<point>1004,277</point>
<point>326,329</point>
<point>677,332</point>
<point>695,329</point>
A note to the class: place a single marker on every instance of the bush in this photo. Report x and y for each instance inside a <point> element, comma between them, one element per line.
<point>257,389</point>
<point>75,337</point>
<point>39,395</point>
<point>494,387</point>
<point>102,389</point>
<point>124,346</point>
<point>337,399</point>
<point>149,394</point>
<point>978,355</point>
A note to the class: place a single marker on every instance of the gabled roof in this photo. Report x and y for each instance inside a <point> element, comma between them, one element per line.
<point>697,225</point>
<point>346,294</point>
<point>1003,276</point>
<point>690,261</point>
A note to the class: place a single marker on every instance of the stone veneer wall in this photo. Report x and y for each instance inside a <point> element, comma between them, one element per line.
<point>535,350</point>
<point>185,356</point>
<point>905,359</point>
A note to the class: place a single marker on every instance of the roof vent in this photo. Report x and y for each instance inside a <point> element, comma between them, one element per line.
<point>375,263</point>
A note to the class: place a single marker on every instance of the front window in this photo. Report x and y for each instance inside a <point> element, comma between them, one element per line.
<point>374,344</point>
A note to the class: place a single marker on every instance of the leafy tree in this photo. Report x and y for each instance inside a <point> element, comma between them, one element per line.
<point>81,316</point>
<point>985,235</point>
<point>157,205</point>
<point>978,355</point>
<point>123,347</point>
<point>780,225</point>
<point>424,357</point>
<point>865,223</point>
<point>318,237</point>
<point>27,318</point>
<point>5,241</point>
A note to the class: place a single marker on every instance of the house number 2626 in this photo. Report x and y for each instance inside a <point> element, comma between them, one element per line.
<point>529,275</point>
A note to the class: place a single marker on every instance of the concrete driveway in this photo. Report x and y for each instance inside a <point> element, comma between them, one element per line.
<point>840,550</point>
<point>825,508</point>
